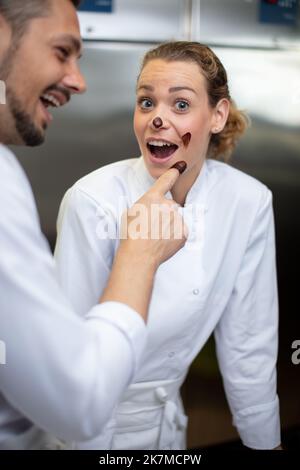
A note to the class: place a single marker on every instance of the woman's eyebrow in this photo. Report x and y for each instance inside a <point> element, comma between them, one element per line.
<point>173,89</point>
<point>146,87</point>
<point>180,88</point>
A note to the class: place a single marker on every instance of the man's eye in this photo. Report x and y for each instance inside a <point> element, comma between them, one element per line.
<point>145,103</point>
<point>181,105</point>
<point>64,53</point>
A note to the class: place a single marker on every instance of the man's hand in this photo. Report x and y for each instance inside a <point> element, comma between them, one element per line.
<point>152,231</point>
<point>153,227</point>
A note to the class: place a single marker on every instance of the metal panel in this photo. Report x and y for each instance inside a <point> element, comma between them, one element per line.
<point>236,23</point>
<point>138,20</point>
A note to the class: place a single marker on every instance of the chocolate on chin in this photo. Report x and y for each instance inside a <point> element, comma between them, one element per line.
<point>180,166</point>
<point>186,139</point>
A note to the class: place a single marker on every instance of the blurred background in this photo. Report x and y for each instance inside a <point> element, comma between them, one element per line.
<point>258,41</point>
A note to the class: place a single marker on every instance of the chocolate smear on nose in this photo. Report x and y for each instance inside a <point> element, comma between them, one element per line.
<point>186,139</point>
<point>157,122</point>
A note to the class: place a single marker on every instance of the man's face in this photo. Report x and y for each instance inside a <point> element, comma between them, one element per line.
<point>41,73</point>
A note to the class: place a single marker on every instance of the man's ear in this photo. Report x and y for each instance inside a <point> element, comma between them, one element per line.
<point>220,115</point>
<point>5,36</point>
<point>3,22</point>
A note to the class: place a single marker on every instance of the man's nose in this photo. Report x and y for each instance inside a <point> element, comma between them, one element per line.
<point>75,81</point>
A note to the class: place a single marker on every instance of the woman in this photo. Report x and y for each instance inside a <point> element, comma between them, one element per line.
<point>222,281</point>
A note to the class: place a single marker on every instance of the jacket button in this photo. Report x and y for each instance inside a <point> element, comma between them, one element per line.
<point>196,291</point>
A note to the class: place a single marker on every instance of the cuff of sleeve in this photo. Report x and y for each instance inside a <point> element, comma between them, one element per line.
<point>259,426</point>
<point>128,321</point>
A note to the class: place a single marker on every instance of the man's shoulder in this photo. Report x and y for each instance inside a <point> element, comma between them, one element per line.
<point>8,161</point>
<point>16,197</point>
<point>13,177</point>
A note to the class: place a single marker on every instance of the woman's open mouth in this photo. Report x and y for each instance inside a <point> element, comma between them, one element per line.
<point>161,150</point>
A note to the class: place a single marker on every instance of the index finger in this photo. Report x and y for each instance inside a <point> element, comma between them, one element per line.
<point>166,181</point>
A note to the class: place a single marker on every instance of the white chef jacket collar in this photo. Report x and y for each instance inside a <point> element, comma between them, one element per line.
<point>147,181</point>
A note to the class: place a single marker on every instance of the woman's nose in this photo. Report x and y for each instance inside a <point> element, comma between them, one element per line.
<point>158,122</point>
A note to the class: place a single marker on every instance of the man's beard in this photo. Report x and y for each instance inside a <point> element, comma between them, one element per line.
<point>25,127</point>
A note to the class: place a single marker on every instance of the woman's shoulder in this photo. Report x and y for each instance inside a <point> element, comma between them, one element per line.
<point>234,182</point>
<point>106,182</point>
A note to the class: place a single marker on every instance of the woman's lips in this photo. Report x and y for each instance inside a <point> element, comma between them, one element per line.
<point>160,161</point>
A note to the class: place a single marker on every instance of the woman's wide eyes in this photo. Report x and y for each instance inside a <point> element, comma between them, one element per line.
<point>181,105</point>
<point>145,103</point>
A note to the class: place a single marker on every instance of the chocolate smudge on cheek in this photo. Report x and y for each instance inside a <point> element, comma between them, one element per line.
<point>186,139</point>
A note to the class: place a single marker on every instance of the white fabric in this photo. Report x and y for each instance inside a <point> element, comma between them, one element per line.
<point>150,417</point>
<point>222,281</point>
<point>61,372</point>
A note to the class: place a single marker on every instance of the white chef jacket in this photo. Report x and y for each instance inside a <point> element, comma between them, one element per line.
<point>223,281</point>
<point>61,372</point>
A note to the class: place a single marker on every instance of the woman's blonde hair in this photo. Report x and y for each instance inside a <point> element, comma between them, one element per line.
<point>222,144</point>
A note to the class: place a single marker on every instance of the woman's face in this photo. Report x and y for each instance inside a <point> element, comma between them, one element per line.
<point>176,93</point>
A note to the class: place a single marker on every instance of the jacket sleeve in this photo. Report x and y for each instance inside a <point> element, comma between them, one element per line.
<point>247,337</point>
<point>85,248</point>
<point>64,373</point>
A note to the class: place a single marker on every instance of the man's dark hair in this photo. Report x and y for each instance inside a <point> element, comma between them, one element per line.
<point>18,13</point>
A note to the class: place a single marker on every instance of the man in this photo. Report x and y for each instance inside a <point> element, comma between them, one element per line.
<point>60,369</point>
